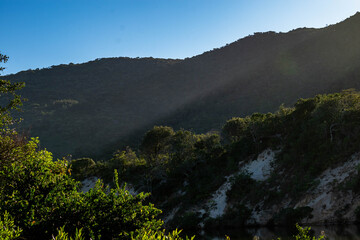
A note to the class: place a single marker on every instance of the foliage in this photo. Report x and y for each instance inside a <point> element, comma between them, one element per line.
<point>156,140</point>
<point>42,197</point>
<point>322,131</point>
<point>303,234</point>
<point>82,167</point>
<point>9,98</point>
<point>235,128</point>
<point>62,235</point>
<point>3,58</point>
<point>8,230</point>
<point>145,234</point>
<point>315,134</point>
<point>7,88</point>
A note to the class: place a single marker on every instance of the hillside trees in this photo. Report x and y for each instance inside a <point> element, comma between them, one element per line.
<point>315,134</point>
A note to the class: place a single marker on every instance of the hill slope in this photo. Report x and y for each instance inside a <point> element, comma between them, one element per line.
<point>86,109</point>
<point>299,164</point>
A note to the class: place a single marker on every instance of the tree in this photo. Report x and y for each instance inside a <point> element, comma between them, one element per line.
<point>235,128</point>
<point>8,97</point>
<point>182,147</point>
<point>3,58</point>
<point>155,146</point>
<point>208,147</point>
<point>156,140</point>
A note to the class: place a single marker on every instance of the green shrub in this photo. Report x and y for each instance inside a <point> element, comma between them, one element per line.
<point>62,235</point>
<point>144,234</point>
<point>8,230</point>
<point>42,197</point>
<point>303,234</point>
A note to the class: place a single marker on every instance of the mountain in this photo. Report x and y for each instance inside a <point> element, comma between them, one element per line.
<point>99,106</point>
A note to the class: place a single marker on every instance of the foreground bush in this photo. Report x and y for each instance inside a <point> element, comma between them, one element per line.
<point>62,235</point>
<point>8,230</point>
<point>303,234</point>
<point>42,197</point>
<point>144,234</point>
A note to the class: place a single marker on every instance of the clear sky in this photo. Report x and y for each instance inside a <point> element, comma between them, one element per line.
<point>41,33</point>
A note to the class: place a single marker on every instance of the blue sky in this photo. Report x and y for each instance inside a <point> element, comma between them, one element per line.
<point>41,33</point>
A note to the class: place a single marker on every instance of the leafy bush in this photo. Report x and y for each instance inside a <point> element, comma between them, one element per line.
<point>42,197</point>
<point>62,235</point>
<point>303,234</point>
<point>144,234</point>
<point>8,230</point>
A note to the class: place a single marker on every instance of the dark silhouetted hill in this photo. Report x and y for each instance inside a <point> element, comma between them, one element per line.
<point>96,107</point>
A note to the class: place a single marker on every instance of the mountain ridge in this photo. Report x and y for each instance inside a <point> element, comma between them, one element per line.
<point>115,103</point>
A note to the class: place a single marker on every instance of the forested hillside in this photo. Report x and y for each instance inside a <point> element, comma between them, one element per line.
<point>93,108</point>
<point>298,164</point>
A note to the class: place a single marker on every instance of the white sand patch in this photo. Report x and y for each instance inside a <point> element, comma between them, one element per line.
<point>217,203</point>
<point>260,169</point>
<point>88,184</point>
<point>181,193</point>
<point>325,199</point>
<point>130,188</point>
<point>339,174</point>
<point>171,215</point>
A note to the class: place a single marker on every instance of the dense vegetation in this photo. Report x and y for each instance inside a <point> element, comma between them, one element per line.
<point>93,108</point>
<point>315,134</point>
